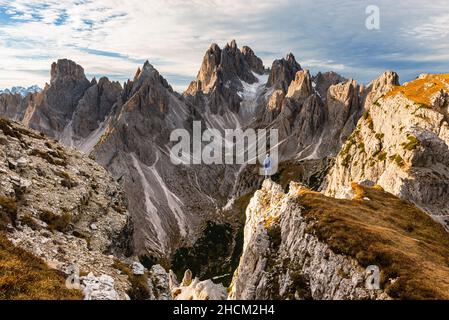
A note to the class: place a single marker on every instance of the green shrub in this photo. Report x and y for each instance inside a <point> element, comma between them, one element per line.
<point>412,143</point>
<point>398,160</point>
<point>380,136</point>
<point>382,156</point>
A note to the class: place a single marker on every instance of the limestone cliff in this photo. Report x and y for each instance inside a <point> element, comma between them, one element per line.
<point>402,144</point>
<point>303,245</point>
<point>62,207</point>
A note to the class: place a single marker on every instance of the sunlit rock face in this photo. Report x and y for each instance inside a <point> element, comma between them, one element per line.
<point>282,259</point>
<point>402,144</point>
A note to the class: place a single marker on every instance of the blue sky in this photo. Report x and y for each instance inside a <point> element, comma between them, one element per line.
<point>113,38</point>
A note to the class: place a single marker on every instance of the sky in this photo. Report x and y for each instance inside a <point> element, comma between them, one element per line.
<point>114,37</point>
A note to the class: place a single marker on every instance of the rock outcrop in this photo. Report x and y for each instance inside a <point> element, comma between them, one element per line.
<point>58,101</point>
<point>303,245</point>
<point>12,106</point>
<point>402,144</point>
<point>282,260</point>
<point>194,289</point>
<point>283,72</point>
<point>59,195</point>
<point>92,111</point>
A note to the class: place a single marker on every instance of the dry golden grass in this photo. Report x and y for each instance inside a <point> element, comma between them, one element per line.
<point>421,91</point>
<point>139,283</point>
<point>8,211</point>
<point>386,231</point>
<point>26,277</point>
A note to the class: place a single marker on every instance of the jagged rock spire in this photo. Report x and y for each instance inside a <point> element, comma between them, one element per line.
<point>66,70</point>
<point>283,72</point>
<point>229,65</point>
<point>301,86</point>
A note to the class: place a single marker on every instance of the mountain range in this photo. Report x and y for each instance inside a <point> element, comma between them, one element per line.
<point>21,90</point>
<point>362,147</point>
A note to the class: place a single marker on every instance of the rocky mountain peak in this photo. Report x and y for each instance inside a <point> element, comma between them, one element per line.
<point>386,80</point>
<point>253,61</point>
<point>148,75</point>
<point>232,45</point>
<point>283,72</point>
<point>380,86</point>
<point>226,67</point>
<point>52,110</point>
<point>234,66</point>
<point>65,70</point>
<point>301,86</point>
<point>324,80</point>
<point>290,58</point>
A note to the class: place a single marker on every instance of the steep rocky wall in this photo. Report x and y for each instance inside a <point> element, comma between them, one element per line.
<point>281,260</point>
<point>402,145</point>
<point>67,209</point>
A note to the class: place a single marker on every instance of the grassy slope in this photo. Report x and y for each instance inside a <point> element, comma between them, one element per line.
<point>386,231</point>
<point>422,90</point>
<point>22,275</point>
<point>26,277</point>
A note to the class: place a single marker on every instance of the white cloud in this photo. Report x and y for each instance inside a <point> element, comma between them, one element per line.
<point>437,28</point>
<point>171,34</point>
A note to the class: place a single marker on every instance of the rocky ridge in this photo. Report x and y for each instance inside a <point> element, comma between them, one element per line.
<point>282,260</point>
<point>401,143</point>
<point>301,244</point>
<point>67,209</point>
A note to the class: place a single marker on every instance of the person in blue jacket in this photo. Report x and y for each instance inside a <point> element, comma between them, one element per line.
<point>267,166</point>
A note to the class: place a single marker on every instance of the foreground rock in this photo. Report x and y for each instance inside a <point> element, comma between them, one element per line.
<point>303,245</point>
<point>194,289</point>
<point>58,194</point>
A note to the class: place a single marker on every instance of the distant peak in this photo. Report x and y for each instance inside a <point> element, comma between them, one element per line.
<point>21,90</point>
<point>385,81</point>
<point>214,48</point>
<point>65,69</point>
<point>146,70</point>
<point>137,74</point>
<point>290,57</point>
<point>283,72</point>
<point>247,50</point>
<point>148,67</point>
